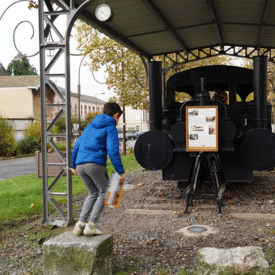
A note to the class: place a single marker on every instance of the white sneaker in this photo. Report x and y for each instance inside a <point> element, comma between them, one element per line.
<point>92,229</point>
<point>78,229</point>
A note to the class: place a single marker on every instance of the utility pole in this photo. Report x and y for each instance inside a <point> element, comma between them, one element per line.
<point>124,128</point>
<point>78,96</point>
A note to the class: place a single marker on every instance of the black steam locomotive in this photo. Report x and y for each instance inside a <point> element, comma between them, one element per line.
<point>245,139</point>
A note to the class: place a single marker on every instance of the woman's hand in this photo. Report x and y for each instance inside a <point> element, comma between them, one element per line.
<point>74,171</point>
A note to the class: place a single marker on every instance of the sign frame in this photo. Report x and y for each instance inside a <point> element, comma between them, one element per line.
<point>208,128</point>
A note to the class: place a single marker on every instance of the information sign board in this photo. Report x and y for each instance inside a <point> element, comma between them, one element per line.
<point>201,128</point>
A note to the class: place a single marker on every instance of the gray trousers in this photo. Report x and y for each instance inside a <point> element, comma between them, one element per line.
<point>95,177</point>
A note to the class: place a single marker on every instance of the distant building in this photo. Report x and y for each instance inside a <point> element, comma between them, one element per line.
<point>135,120</point>
<point>20,101</point>
<point>88,104</point>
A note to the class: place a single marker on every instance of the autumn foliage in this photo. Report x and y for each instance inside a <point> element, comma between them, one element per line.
<point>125,70</point>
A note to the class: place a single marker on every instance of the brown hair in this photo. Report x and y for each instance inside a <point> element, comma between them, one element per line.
<point>111,108</point>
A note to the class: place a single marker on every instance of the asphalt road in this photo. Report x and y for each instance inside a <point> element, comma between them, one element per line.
<point>24,166</point>
<point>16,167</point>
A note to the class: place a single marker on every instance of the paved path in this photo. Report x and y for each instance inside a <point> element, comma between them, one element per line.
<point>16,167</point>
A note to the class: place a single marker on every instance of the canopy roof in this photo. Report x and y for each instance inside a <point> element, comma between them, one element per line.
<point>155,27</point>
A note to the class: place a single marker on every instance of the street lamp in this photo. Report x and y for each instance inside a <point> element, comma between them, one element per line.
<point>96,99</point>
<point>78,93</point>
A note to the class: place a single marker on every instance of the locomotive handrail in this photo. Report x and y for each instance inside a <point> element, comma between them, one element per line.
<point>224,106</point>
<point>194,100</point>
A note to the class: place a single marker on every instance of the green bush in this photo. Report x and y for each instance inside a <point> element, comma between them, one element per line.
<point>27,146</point>
<point>90,117</point>
<point>7,139</point>
<point>34,131</point>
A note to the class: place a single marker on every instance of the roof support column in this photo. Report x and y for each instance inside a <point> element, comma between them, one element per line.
<point>260,90</point>
<point>155,94</point>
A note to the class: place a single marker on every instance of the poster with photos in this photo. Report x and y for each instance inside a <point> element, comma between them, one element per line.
<point>201,128</point>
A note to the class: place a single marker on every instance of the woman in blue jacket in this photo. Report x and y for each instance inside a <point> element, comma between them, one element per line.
<point>89,162</point>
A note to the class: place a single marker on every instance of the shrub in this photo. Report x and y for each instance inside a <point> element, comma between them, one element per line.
<point>7,138</point>
<point>27,146</point>
<point>61,124</point>
<point>90,117</point>
<point>34,131</point>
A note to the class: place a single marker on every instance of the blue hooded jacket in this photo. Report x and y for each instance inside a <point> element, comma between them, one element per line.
<point>97,140</point>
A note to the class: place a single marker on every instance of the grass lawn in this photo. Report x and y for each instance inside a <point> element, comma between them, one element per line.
<point>22,196</point>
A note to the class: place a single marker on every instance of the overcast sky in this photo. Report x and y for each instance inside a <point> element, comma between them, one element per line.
<point>20,12</point>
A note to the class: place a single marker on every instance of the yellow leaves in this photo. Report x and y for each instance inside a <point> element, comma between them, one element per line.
<point>140,184</point>
<point>177,213</point>
<point>32,4</point>
<point>126,74</point>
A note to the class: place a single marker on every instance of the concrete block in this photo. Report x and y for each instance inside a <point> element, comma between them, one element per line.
<point>68,254</point>
<point>228,261</point>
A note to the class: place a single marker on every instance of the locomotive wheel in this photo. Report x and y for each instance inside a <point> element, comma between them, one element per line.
<point>257,149</point>
<point>153,150</point>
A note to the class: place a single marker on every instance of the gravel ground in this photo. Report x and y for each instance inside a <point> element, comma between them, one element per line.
<point>145,244</point>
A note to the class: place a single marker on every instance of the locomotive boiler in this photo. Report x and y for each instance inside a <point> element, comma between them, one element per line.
<point>245,140</point>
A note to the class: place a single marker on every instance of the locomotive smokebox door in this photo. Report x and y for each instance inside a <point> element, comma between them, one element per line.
<point>153,150</point>
<point>257,149</point>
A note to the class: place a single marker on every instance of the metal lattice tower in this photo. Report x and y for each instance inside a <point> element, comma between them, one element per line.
<point>46,23</point>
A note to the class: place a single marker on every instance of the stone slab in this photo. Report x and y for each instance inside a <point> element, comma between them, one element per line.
<point>252,216</point>
<point>163,188</point>
<point>161,206</point>
<point>148,212</point>
<point>159,199</point>
<point>68,254</point>
<point>129,187</point>
<point>179,206</point>
<point>214,261</point>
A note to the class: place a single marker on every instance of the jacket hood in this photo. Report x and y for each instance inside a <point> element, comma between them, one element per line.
<point>102,121</point>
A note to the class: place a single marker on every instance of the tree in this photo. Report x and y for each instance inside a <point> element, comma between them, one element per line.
<point>33,4</point>
<point>125,70</point>
<point>126,74</point>
<point>21,66</point>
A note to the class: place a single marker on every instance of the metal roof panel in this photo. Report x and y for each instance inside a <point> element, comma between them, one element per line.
<point>161,26</point>
<point>245,35</point>
<point>239,11</point>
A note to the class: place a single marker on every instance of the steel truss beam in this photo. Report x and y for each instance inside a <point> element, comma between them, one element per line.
<point>180,58</point>
<point>163,21</point>
<point>62,45</point>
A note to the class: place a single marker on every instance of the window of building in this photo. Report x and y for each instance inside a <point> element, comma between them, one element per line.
<point>85,110</point>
